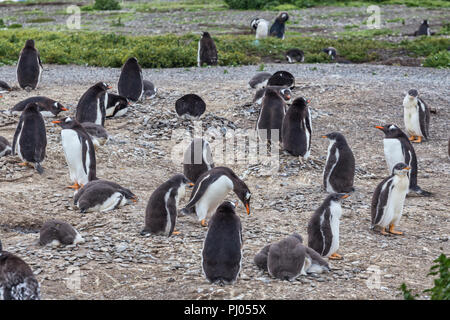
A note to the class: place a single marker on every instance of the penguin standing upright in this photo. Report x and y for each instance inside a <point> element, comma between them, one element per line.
<point>131,85</point>
<point>388,199</point>
<point>212,187</point>
<point>416,115</point>
<point>79,152</point>
<point>5,147</point>
<point>259,80</point>
<point>29,67</point>
<point>57,232</point>
<point>261,27</point>
<point>323,227</point>
<point>117,105</point>
<point>48,107</point>
<point>190,106</point>
<point>282,78</point>
<point>17,281</point>
<point>297,128</point>
<point>398,148</point>
<point>270,119</point>
<point>424,29</point>
<point>222,247</point>
<point>295,55</point>
<point>197,159</point>
<point>277,28</point>
<point>339,171</point>
<point>207,52</point>
<point>30,138</point>
<point>161,210</point>
<point>92,104</point>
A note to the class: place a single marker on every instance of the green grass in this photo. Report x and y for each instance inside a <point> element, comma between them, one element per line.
<point>40,20</point>
<point>186,5</point>
<point>167,51</point>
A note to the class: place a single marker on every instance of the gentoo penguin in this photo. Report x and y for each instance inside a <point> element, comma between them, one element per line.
<point>4,87</point>
<point>57,232</point>
<point>424,29</point>
<point>332,52</point>
<point>398,148</point>
<point>295,55</point>
<point>323,227</point>
<point>162,207</point>
<point>98,134</point>
<point>277,28</point>
<point>197,159</point>
<point>117,105</point>
<point>131,85</point>
<point>261,26</point>
<point>17,281</point>
<point>30,138</point>
<point>271,116</point>
<point>339,171</point>
<point>29,67</point>
<point>222,248</point>
<point>212,187</point>
<point>282,78</point>
<point>388,199</point>
<point>48,107</point>
<point>149,89</point>
<point>92,104</point>
<point>297,128</point>
<point>284,92</point>
<point>79,152</point>
<point>5,147</point>
<point>207,52</point>
<point>416,115</point>
<point>102,196</point>
<point>190,106</point>
<point>259,80</point>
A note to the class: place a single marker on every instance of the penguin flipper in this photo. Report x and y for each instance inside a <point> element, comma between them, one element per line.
<point>16,135</point>
<point>200,189</point>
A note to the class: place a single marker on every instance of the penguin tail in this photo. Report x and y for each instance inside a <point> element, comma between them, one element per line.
<point>419,190</point>
<point>38,167</point>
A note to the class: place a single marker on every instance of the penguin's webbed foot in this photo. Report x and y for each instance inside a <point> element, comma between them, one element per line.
<point>23,164</point>
<point>412,138</point>
<point>75,186</point>
<point>391,230</point>
<point>175,232</point>
<point>203,223</point>
<point>418,140</point>
<point>383,232</point>
<point>335,256</point>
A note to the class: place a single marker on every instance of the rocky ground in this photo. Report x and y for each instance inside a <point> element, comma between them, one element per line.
<point>117,263</point>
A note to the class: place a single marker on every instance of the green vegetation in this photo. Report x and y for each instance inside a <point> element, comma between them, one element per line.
<point>40,20</point>
<point>186,5</point>
<point>106,5</point>
<point>168,51</point>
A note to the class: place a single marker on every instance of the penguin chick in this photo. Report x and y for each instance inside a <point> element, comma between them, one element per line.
<point>149,90</point>
<point>5,147</point>
<point>207,51</point>
<point>190,106</point>
<point>295,55</point>
<point>57,232</point>
<point>98,133</point>
<point>131,85</point>
<point>416,115</point>
<point>29,67</point>
<point>92,104</point>
<point>197,159</point>
<point>47,107</point>
<point>270,119</point>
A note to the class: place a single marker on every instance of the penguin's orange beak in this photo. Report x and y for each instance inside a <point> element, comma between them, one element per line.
<point>408,168</point>
<point>56,121</point>
<point>345,196</point>
<point>308,101</point>
<point>324,137</point>
<point>379,127</point>
<point>64,109</point>
<point>247,207</point>
<point>109,87</point>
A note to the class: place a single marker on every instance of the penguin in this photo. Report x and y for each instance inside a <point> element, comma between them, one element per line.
<point>416,115</point>
<point>296,129</point>
<point>197,159</point>
<point>448,148</point>
<point>30,138</point>
<point>162,207</point>
<point>92,104</point>
<point>259,80</point>
<point>117,105</point>
<point>149,90</point>
<point>339,171</point>
<point>29,67</point>
<point>277,28</point>
<point>222,247</point>
<point>190,106</point>
<point>210,190</point>
<point>17,281</point>
<point>271,116</point>
<point>284,92</point>
<point>388,199</point>
<point>79,152</point>
<point>48,107</point>
<point>207,52</point>
<point>331,51</point>
<point>261,26</point>
<point>5,147</point>
<point>323,227</point>
<point>4,87</point>
<point>295,55</point>
<point>102,196</point>
<point>57,232</point>
<point>398,148</point>
<point>424,29</point>
<point>282,78</point>
<point>98,134</point>
<point>131,85</point>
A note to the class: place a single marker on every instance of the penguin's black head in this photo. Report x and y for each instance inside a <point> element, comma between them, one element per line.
<point>254,23</point>
<point>58,107</point>
<point>283,17</point>
<point>425,22</point>
<point>102,86</point>
<point>32,107</point>
<point>286,94</point>
<point>244,195</point>
<point>29,43</point>
<point>300,103</point>
<point>338,196</point>
<point>206,35</point>
<point>391,131</point>
<point>400,169</point>
<point>332,52</point>
<point>413,93</point>
<point>132,60</point>
<point>182,180</point>
<point>334,136</point>
<point>296,235</point>
<point>227,207</point>
<point>67,123</point>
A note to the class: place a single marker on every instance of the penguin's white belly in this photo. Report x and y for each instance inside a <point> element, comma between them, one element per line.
<point>121,112</point>
<point>329,188</point>
<point>395,201</point>
<point>168,221</point>
<point>306,266</point>
<point>213,196</point>
<point>109,112</point>
<point>336,211</point>
<point>412,121</point>
<point>78,238</point>
<point>262,31</point>
<point>72,150</point>
<point>17,148</point>
<point>393,153</point>
<point>307,134</point>
<point>115,200</point>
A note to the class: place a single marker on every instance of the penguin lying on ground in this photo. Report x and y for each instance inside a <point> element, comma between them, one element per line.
<point>197,159</point>
<point>57,232</point>
<point>222,247</point>
<point>388,199</point>
<point>48,107</point>
<point>270,119</point>
<point>284,92</point>
<point>278,27</point>
<point>17,281</point>
<point>92,104</point>
<point>289,258</point>
<point>131,85</point>
<point>398,148</point>
<point>339,171</point>
<point>416,115</point>
<point>98,134</point>
<point>30,138</point>
<point>424,30</point>
<point>331,51</point>
<point>210,190</point>
<point>4,87</point>
<point>323,227</point>
<point>295,55</point>
<point>190,106</point>
<point>161,210</point>
<point>282,78</point>
<point>297,129</point>
<point>102,196</point>
<point>207,51</point>
<point>149,90</point>
<point>261,27</point>
<point>259,80</point>
<point>5,147</point>
<point>29,67</point>
<point>117,105</point>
